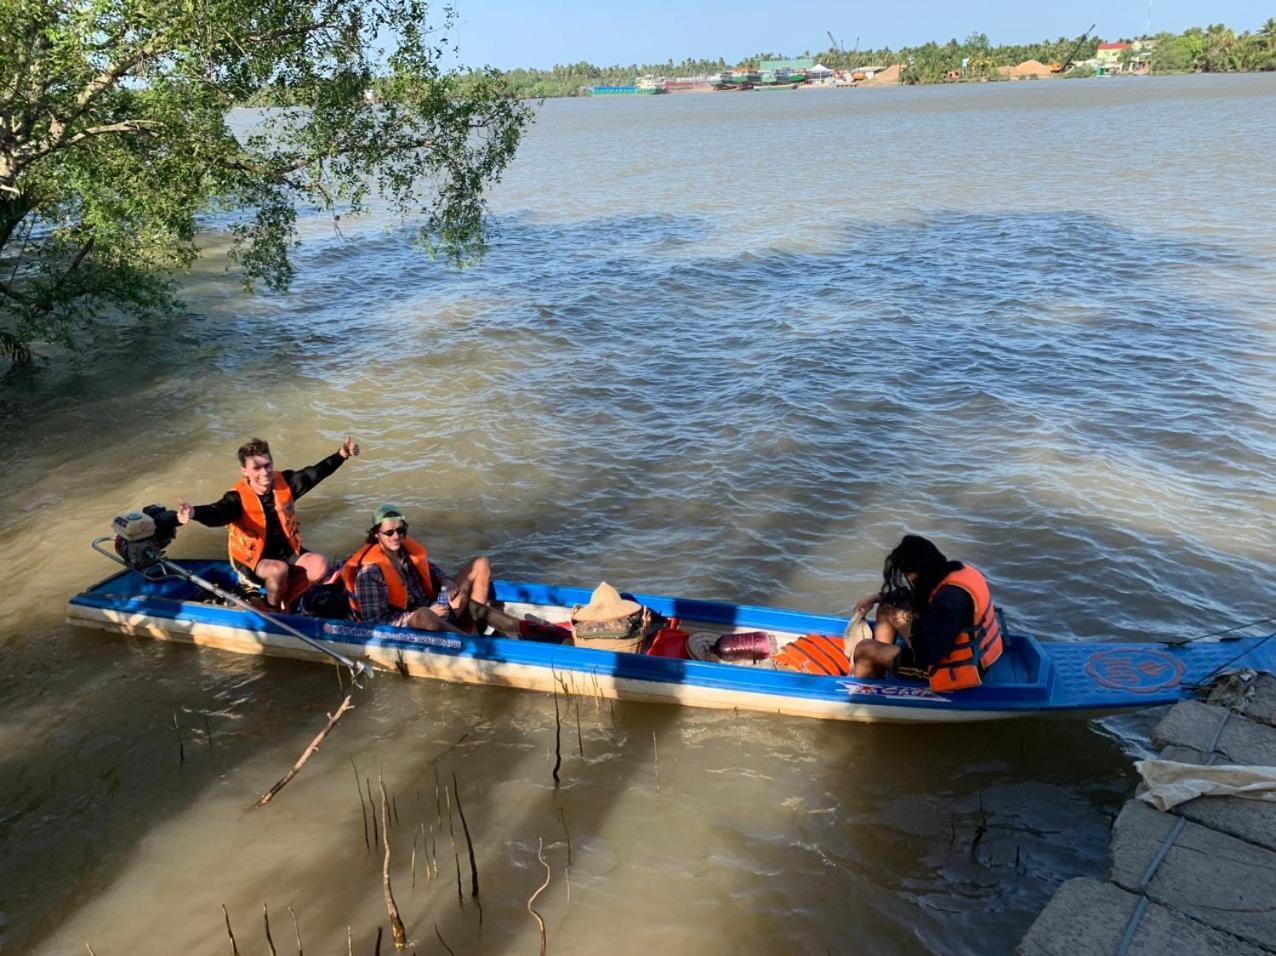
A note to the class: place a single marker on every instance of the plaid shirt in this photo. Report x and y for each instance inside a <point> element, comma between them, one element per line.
<point>372,594</point>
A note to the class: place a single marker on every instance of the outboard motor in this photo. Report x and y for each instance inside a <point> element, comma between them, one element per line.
<point>142,536</point>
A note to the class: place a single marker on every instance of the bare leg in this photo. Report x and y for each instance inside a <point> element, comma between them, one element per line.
<point>274,578</point>
<point>874,658</point>
<point>424,619</point>
<point>473,583</point>
<point>315,566</point>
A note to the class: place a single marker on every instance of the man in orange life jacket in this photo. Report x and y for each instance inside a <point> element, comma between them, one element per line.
<point>391,580</point>
<point>944,612</point>
<point>264,538</point>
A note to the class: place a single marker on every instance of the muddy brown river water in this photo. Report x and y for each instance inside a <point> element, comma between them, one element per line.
<point>723,347</point>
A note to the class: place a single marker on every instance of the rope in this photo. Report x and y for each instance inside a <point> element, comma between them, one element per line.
<point>1137,916</point>
<point>1226,630</point>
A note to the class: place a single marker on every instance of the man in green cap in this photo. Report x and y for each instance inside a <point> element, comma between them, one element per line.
<point>391,580</point>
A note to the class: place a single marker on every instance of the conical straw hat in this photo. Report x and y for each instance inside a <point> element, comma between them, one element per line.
<point>606,604</point>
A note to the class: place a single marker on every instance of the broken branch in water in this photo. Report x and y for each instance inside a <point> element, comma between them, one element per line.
<point>269,795</point>
<point>296,924</point>
<point>396,924</point>
<point>540,846</point>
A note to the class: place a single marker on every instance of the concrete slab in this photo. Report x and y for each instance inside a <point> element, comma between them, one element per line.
<point>1088,916</point>
<point>1221,881</point>
<point>1193,724</point>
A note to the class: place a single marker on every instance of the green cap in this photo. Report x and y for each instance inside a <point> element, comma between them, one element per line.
<point>388,511</point>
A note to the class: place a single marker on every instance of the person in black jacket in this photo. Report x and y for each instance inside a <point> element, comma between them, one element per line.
<point>264,537</point>
<point>912,605</point>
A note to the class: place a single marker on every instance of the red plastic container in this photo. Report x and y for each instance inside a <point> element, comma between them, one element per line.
<point>669,641</point>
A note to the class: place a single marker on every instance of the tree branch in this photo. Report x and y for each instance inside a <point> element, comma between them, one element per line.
<point>123,126</point>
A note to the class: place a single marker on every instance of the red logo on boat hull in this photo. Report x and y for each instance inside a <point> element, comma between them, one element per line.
<point>1134,670</point>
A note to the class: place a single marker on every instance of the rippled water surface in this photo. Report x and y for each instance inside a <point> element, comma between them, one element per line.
<point>728,347</point>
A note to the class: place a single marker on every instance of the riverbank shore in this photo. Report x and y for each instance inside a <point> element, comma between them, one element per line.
<point>1199,877</point>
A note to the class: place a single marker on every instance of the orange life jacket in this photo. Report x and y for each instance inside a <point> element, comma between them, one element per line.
<point>978,646</point>
<point>247,533</point>
<point>815,654</point>
<point>397,597</point>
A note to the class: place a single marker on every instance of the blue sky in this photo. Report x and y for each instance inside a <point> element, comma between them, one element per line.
<point>511,33</point>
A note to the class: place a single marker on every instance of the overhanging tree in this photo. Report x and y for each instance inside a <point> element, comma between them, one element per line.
<point>114,138</point>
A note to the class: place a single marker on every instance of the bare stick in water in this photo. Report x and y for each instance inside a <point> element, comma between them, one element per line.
<point>396,924</point>
<point>233,947</point>
<point>567,833</point>
<point>540,845</point>
<point>376,833</point>
<point>580,741</point>
<point>362,806</point>
<point>442,940</point>
<point>412,866</point>
<point>558,738</point>
<point>208,732</point>
<point>376,950</point>
<point>296,924</point>
<point>349,941</point>
<point>181,749</point>
<point>269,795</point>
<point>469,844</point>
<point>265,915</point>
<point>90,949</point>
<point>655,756</point>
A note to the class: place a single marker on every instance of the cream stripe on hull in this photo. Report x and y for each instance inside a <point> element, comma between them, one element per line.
<point>471,670</point>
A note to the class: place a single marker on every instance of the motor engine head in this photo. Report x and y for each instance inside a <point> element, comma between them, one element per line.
<point>142,536</point>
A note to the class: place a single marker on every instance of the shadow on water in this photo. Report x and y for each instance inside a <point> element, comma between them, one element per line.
<point>952,376</point>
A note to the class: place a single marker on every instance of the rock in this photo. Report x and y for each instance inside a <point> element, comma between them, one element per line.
<point>1088,916</point>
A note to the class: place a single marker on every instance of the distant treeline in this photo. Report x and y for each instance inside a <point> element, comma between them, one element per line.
<point>1214,49</point>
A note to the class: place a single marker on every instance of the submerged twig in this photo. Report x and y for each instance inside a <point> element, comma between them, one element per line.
<point>234,948</point>
<point>396,924</point>
<point>265,915</point>
<point>442,941</point>
<point>655,756</point>
<point>296,924</point>
<point>558,738</point>
<point>469,844</point>
<point>540,846</point>
<point>376,832</point>
<point>181,748</point>
<point>347,704</point>
<point>362,806</point>
<point>580,740</point>
<point>562,815</point>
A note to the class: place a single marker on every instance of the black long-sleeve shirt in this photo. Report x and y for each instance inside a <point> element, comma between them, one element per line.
<point>229,507</point>
<point>951,610</point>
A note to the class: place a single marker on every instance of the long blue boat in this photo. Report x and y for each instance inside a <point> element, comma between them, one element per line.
<point>1033,677</point>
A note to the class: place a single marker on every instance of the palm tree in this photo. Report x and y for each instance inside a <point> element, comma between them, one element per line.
<point>1268,32</point>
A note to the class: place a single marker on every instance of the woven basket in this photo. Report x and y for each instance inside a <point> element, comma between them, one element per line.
<point>624,635</point>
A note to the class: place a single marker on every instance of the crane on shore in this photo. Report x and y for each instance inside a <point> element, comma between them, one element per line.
<point>1067,60</point>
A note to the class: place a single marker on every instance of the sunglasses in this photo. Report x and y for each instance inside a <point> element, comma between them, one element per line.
<point>401,529</point>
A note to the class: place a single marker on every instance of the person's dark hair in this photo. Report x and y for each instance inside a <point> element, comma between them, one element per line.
<point>914,555</point>
<point>252,448</point>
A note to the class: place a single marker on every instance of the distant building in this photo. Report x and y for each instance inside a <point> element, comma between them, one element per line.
<point>1109,56</point>
<point>800,65</point>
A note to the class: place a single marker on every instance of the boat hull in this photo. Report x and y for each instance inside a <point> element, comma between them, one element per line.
<point>1033,679</point>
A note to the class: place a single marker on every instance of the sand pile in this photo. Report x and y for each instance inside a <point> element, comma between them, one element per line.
<point>1028,68</point>
<point>888,77</point>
